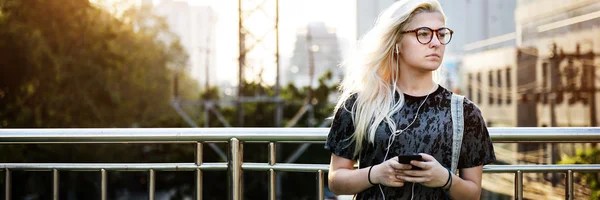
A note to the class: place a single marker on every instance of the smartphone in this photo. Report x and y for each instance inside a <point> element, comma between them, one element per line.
<point>405,159</point>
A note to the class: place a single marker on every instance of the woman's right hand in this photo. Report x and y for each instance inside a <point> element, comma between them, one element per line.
<point>388,172</point>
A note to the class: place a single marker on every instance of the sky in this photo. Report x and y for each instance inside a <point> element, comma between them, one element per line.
<point>293,14</point>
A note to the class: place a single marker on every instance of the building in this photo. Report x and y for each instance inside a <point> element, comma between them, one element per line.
<point>576,23</point>
<point>196,27</point>
<point>486,26</point>
<point>367,12</point>
<point>538,77</point>
<point>548,79</point>
<point>316,47</point>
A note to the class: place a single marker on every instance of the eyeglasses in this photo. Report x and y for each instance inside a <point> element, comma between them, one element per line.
<point>425,35</point>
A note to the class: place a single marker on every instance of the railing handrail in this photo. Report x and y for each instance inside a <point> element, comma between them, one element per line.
<point>280,167</point>
<point>316,135</point>
<point>235,165</point>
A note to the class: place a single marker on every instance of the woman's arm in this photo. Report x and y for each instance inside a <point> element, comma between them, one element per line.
<point>344,179</point>
<point>468,186</point>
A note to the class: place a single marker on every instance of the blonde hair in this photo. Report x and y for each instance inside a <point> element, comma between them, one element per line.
<point>371,74</point>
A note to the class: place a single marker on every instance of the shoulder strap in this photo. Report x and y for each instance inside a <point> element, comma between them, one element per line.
<point>456,108</point>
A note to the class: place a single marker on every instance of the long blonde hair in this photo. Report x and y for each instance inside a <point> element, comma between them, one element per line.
<point>371,74</point>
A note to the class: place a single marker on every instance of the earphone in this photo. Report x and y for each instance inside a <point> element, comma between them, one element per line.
<point>398,132</point>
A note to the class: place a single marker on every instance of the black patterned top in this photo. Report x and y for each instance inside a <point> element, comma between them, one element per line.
<point>431,133</point>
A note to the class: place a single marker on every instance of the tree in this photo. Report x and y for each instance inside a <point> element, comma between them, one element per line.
<point>587,156</point>
<point>67,63</point>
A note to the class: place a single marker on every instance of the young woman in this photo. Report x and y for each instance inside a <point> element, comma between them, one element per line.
<point>390,106</point>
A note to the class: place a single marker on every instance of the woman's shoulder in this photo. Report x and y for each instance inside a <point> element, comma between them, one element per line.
<point>469,107</point>
<point>348,100</point>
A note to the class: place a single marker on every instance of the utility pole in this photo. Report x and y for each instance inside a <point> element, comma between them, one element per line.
<point>207,57</point>
<point>554,79</point>
<point>553,72</point>
<point>584,76</point>
<point>311,74</point>
<point>279,108</point>
<point>207,105</point>
<point>589,83</point>
<point>241,62</point>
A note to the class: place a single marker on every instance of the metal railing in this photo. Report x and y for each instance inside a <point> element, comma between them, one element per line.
<point>236,137</point>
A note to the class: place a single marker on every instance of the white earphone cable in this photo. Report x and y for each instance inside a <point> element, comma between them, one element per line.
<point>398,132</point>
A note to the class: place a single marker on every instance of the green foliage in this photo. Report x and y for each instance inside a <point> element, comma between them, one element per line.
<point>67,64</point>
<point>78,66</point>
<point>587,156</point>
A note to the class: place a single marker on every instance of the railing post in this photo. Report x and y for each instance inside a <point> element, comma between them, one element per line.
<point>151,187</point>
<point>272,175</point>
<point>235,168</point>
<point>55,183</point>
<point>7,183</point>
<point>320,187</point>
<point>519,185</point>
<point>198,171</point>
<point>103,184</point>
<point>570,188</point>
<point>241,160</point>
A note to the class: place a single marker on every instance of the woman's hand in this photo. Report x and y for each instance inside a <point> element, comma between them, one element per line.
<point>389,172</point>
<point>432,175</point>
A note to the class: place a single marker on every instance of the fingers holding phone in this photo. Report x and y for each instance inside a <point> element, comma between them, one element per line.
<point>407,160</point>
<point>432,173</point>
<point>387,173</point>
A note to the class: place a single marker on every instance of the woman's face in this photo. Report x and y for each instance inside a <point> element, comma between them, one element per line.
<point>414,55</point>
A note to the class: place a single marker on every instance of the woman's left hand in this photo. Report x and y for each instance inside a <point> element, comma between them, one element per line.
<point>433,174</point>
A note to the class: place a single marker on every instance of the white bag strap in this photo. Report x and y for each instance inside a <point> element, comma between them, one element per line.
<point>456,108</point>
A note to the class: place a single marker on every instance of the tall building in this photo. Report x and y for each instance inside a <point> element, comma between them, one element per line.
<point>488,24</point>
<point>573,28</point>
<point>539,26</point>
<point>196,27</point>
<point>478,23</point>
<point>367,12</point>
<point>484,44</point>
<point>548,79</point>
<point>322,44</point>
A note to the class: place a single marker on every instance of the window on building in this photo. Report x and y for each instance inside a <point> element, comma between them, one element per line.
<point>470,86</point>
<point>499,88</point>
<point>491,90</point>
<point>508,86</point>
<point>478,85</point>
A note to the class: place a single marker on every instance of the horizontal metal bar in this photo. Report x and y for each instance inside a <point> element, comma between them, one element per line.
<point>285,167</point>
<point>487,169</point>
<point>114,166</point>
<point>541,168</point>
<point>284,135</point>
<point>161,134</point>
<point>289,167</point>
<point>545,134</point>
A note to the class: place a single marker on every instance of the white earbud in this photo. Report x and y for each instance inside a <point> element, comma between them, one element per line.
<point>397,51</point>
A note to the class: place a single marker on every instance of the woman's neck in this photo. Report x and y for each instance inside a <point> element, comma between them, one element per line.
<point>416,84</point>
